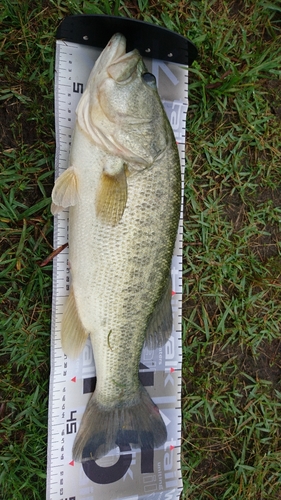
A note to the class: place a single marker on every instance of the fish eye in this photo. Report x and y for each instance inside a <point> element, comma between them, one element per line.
<point>150,79</point>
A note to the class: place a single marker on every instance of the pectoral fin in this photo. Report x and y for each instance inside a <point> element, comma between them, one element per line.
<point>112,197</point>
<point>160,325</point>
<point>73,334</point>
<point>65,192</point>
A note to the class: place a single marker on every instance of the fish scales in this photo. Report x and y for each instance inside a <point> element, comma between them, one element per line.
<point>129,269</point>
<point>120,265</point>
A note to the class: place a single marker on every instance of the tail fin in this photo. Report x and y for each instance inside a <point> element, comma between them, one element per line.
<point>102,428</point>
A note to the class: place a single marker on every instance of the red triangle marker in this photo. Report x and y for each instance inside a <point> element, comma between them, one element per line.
<point>71,463</point>
<point>172,370</point>
<point>173,293</point>
<point>172,447</point>
<point>73,379</point>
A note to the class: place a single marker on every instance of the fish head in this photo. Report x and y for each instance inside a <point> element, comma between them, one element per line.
<point>124,113</point>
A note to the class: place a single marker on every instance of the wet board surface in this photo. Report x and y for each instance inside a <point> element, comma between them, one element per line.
<point>124,473</point>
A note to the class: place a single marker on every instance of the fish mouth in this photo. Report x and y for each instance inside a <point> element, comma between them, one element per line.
<point>121,65</point>
<point>116,47</point>
<point>115,53</point>
<point>114,50</point>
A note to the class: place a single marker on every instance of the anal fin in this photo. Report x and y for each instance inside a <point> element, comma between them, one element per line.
<point>73,334</point>
<point>161,321</point>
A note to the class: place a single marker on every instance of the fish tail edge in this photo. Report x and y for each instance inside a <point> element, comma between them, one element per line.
<point>139,424</point>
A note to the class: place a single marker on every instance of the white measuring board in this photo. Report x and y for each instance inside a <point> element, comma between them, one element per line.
<point>129,474</point>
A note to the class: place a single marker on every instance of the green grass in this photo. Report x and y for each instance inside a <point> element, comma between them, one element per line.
<point>232,261</point>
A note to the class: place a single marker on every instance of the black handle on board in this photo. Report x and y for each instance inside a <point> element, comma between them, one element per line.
<point>151,40</point>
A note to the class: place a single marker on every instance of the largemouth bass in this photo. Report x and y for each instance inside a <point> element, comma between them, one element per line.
<point>123,187</point>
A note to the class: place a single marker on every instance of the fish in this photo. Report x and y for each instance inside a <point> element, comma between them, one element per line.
<point>123,189</point>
